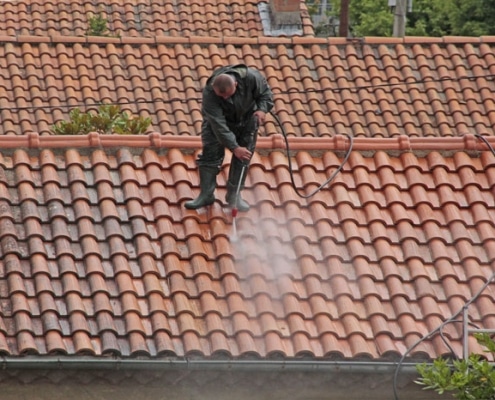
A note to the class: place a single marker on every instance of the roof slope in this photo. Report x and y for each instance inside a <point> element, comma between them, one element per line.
<point>98,255</point>
<point>322,87</point>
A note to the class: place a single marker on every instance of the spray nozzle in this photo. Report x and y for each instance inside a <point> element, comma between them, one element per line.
<point>233,237</point>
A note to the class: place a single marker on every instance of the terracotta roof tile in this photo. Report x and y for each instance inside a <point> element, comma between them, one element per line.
<point>379,89</point>
<point>137,20</point>
<point>367,267</point>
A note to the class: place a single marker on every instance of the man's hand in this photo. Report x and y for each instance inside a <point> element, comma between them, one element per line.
<point>242,153</point>
<point>260,116</point>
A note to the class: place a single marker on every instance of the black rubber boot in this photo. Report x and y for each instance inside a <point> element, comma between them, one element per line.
<point>237,168</point>
<point>207,184</point>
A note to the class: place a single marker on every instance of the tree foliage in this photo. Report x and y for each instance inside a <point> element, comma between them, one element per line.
<point>452,17</point>
<point>428,17</point>
<point>368,17</point>
<point>471,379</point>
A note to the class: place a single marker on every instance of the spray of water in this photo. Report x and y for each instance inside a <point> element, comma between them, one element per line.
<point>260,246</point>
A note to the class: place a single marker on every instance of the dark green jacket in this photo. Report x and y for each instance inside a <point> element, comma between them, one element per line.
<point>252,94</point>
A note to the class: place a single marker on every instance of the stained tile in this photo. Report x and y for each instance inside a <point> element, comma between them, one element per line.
<point>110,344</point>
<point>26,344</point>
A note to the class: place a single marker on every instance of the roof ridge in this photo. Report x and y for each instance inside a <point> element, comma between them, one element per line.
<point>135,40</point>
<point>34,140</point>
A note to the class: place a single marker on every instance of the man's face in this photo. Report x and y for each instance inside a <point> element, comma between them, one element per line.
<point>227,94</point>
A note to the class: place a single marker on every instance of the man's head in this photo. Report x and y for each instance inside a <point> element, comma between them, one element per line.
<point>224,86</point>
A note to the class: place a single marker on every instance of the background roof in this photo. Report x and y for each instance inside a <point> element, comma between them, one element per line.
<point>99,256</point>
<point>139,18</point>
<point>322,88</point>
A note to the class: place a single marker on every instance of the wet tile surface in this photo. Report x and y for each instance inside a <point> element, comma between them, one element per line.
<point>99,256</point>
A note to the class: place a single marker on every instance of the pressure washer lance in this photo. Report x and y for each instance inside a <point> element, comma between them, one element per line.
<point>235,209</point>
<point>251,147</point>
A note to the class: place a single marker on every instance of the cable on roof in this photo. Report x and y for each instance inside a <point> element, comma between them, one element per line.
<point>483,139</point>
<point>439,330</point>
<point>291,172</point>
<point>354,89</point>
<point>410,81</point>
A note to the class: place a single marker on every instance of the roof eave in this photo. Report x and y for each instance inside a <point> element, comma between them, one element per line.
<point>291,365</point>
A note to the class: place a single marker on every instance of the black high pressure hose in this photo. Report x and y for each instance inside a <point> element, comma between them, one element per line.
<point>291,173</point>
<point>234,237</point>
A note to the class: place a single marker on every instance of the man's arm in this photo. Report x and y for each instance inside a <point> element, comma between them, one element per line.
<point>262,93</point>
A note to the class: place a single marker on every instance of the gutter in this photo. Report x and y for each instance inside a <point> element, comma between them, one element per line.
<point>84,363</point>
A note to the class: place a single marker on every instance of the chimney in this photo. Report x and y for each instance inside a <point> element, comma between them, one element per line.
<point>286,12</point>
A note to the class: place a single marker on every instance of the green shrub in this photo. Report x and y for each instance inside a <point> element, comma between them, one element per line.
<point>107,120</point>
<point>98,26</point>
<point>471,379</point>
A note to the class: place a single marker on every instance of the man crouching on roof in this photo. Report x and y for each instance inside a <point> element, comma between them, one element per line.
<point>235,102</point>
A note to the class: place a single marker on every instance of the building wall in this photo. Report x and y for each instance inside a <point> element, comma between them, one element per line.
<point>205,385</point>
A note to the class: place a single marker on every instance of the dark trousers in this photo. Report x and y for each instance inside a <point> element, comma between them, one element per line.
<point>213,152</point>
